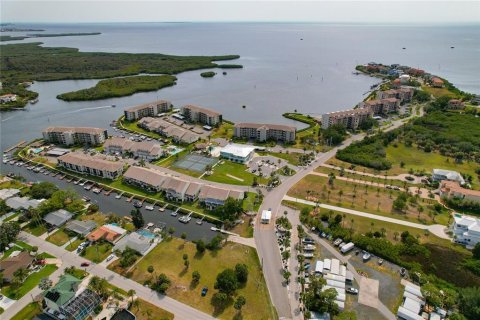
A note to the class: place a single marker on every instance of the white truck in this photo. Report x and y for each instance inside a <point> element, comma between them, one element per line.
<point>349,246</point>
<point>266,216</point>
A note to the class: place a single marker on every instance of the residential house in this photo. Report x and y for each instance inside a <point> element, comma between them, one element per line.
<point>264,132</point>
<point>191,194</point>
<point>213,197</point>
<point>9,97</point>
<point>240,153</point>
<point>456,104</point>
<point>452,189</point>
<point>441,174</point>
<point>437,82</point>
<point>8,193</point>
<point>109,232</point>
<point>58,218</point>
<point>201,115</point>
<point>466,229</point>
<point>9,265</point>
<point>22,203</point>
<point>175,189</point>
<point>146,178</point>
<point>68,300</point>
<point>75,135</point>
<point>151,109</point>
<point>350,119</point>
<point>86,164</point>
<point>135,241</point>
<point>81,228</point>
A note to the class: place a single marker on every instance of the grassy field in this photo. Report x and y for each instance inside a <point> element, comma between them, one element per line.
<point>249,202</point>
<point>291,157</point>
<point>59,238</point>
<point>72,246</point>
<point>98,217</point>
<point>119,87</point>
<point>31,282</point>
<point>438,92</point>
<point>225,168</point>
<point>29,312</point>
<point>132,126</point>
<point>419,160</point>
<point>147,311</point>
<point>35,229</point>
<point>98,252</point>
<point>244,229</point>
<point>377,200</point>
<point>225,131</point>
<point>167,258</point>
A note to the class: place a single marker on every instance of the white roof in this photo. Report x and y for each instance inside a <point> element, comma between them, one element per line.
<point>8,193</point>
<point>412,305</point>
<point>343,270</point>
<point>266,215</point>
<point>450,175</point>
<point>134,241</point>
<point>335,277</point>
<point>239,150</point>
<point>337,284</point>
<point>115,228</point>
<point>335,268</point>
<point>22,202</point>
<point>327,264</point>
<point>349,275</point>
<point>407,314</point>
<point>319,266</point>
<point>413,289</point>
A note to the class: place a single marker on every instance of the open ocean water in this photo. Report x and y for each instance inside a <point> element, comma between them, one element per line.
<point>281,71</point>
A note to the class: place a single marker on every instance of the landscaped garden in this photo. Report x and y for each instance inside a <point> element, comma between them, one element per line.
<point>60,237</point>
<point>144,310</point>
<point>97,252</point>
<point>167,258</point>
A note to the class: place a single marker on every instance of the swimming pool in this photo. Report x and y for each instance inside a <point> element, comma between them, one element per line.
<point>146,233</point>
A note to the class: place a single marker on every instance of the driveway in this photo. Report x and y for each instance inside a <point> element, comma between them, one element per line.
<point>6,303</point>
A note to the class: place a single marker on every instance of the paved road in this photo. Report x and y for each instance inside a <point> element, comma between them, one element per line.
<point>436,229</point>
<point>180,310</point>
<point>264,235</point>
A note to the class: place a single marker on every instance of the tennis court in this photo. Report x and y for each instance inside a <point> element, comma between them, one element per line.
<point>194,162</point>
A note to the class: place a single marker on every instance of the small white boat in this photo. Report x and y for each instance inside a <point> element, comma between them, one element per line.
<point>366,256</point>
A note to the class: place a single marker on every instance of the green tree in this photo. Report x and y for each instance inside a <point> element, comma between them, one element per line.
<point>8,233</point>
<point>200,245</point>
<point>162,283</point>
<point>322,301</point>
<point>196,277</point>
<point>226,282</point>
<point>43,190</point>
<point>239,303</point>
<point>131,293</point>
<point>469,302</point>
<point>241,271</point>
<point>220,299</point>
<point>476,251</point>
<point>137,218</point>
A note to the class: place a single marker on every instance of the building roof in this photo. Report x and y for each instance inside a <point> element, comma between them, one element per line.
<point>453,186</point>
<point>146,105</point>
<point>64,290</point>
<point>81,227</point>
<point>437,80</point>
<point>266,126</point>
<point>193,189</point>
<point>81,159</point>
<point>133,146</point>
<point>350,112</point>
<point>449,175</point>
<point>208,112</point>
<point>11,264</point>
<point>123,314</point>
<point>108,232</point>
<point>58,218</point>
<point>146,175</point>
<point>134,241</point>
<point>210,192</point>
<point>22,203</point>
<point>89,130</point>
<point>8,193</point>
<point>176,185</point>
<point>238,150</point>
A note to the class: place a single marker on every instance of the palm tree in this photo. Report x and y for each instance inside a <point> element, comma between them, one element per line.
<point>395,235</point>
<point>382,231</point>
<point>371,226</point>
<point>328,193</point>
<point>130,294</point>
<point>21,274</point>
<point>147,313</point>
<point>136,304</point>
<point>340,194</point>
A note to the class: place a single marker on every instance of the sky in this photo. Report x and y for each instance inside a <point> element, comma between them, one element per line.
<point>385,11</point>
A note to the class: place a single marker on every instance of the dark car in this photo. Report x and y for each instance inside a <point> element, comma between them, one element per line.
<point>137,204</point>
<point>85,264</point>
<point>204,291</point>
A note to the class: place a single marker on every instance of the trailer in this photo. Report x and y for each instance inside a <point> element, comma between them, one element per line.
<point>266,216</point>
<point>346,248</point>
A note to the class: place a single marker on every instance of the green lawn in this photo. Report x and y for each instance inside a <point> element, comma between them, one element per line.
<point>419,160</point>
<point>225,168</point>
<point>31,282</point>
<point>225,131</point>
<point>72,246</point>
<point>167,258</point>
<point>98,252</point>
<point>249,202</point>
<point>147,311</point>
<point>59,238</point>
<point>35,229</point>
<point>29,312</point>
<point>78,273</point>
<point>291,157</point>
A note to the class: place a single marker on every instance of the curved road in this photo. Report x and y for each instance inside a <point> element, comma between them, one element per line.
<point>264,234</point>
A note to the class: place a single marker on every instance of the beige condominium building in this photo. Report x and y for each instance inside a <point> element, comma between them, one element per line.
<point>150,109</point>
<point>201,115</point>
<point>145,150</point>
<point>381,106</point>
<point>86,164</point>
<point>404,94</point>
<point>264,132</point>
<point>75,135</point>
<point>351,119</point>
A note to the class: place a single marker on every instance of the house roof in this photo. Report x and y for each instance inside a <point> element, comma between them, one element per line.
<point>11,264</point>
<point>89,130</point>
<point>123,314</point>
<point>146,175</point>
<point>239,150</point>
<point>193,189</point>
<point>8,193</point>
<point>81,159</point>
<point>453,186</point>
<point>81,227</point>
<point>22,203</point>
<point>134,241</point>
<point>176,185</point>
<point>210,192</point>
<point>108,232</point>
<point>449,175</point>
<point>58,218</point>
<point>64,290</point>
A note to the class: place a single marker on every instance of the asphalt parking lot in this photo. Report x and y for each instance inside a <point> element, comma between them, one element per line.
<point>265,165</point>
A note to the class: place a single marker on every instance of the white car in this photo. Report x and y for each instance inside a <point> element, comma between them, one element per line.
<point>110,257</point>
<point>352,290</point>
<point>149,208</point>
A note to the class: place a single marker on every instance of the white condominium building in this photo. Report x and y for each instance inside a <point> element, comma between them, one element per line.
<point>75,135</point>
<point>466,229</point>
<point>201,115</point>
<point>151,109</point>
<point>82,163</point>
<point>351,119</point>
<point>145,150</point>
<point>264,132</point>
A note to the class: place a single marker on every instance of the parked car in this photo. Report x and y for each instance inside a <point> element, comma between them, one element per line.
<point>137,204</point>
<point>110,257</point>
<point>204,291</point>
<point>337,241</point>
<point>403,272</point>
<point>352,290</point>
<point>380,262</point>
<point>308,241</point>
<point>84,264</point>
